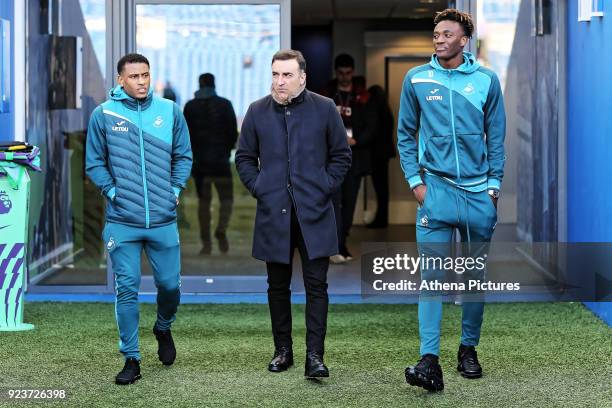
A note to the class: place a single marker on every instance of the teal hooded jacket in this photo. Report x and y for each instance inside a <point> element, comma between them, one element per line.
<point>139,155</point>
<point>458,115</point>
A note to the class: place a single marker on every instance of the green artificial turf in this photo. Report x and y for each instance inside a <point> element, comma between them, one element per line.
<point>533,355</point>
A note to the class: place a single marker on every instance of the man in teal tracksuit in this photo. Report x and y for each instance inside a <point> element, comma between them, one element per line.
<point>455,170</point>
<point>139,156</point>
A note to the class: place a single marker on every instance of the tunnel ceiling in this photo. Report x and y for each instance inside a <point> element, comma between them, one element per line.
<point>324,11</point>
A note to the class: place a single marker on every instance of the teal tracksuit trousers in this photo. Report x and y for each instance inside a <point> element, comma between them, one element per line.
<point>125,245</point>
<point>445,209</point>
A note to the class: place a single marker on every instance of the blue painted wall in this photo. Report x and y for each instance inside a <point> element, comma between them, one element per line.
<point>6,119</point>
<point>589,133</point>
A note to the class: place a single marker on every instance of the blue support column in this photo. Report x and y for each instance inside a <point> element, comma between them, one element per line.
<point>588,133</point>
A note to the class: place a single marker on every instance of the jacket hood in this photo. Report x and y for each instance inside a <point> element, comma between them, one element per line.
<point>469,64</point>
<point>118,94</point>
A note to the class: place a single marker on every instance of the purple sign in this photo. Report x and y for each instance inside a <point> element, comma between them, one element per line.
<point>5,203</point>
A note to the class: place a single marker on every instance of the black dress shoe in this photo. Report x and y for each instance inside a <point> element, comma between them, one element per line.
<point>468,366</point>
<point>427,374</point>
<point>165,346</point>
<point>282,360</point>
<point>130,372</point>
<point>314,366</point>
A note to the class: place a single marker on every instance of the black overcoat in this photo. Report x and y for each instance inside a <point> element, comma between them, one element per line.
<point>293,155</point>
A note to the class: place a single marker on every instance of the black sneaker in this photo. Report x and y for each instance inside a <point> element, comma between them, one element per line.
<point>165,350</point>
<point>130,372</point>
<point>427,374</point>
<point>468,366</point>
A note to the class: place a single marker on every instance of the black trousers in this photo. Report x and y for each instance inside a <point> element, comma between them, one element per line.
<point>224,188</point>
<point>380,180</point>
<point>279,295</point>
<point>345,202</point>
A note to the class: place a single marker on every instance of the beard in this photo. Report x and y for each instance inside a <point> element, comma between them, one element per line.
<point>287,99</point>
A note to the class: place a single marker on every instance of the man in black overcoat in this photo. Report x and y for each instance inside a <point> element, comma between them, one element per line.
<point>292,156</point>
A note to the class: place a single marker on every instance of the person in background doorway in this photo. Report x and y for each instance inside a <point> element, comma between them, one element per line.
<point>213,130</point>
<point>382,150</point>
<point>361,124</point>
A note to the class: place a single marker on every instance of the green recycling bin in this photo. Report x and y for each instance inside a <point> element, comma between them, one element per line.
<point>15,160</point>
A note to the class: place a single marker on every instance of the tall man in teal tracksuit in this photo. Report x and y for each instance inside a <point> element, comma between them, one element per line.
<point>139,156</point>
<point>455,171</point>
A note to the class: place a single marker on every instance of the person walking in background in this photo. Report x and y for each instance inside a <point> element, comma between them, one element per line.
<point>138,155</point>
<point>213,130</point>
<point>455,171</point>
<point>382,150</point>
<point>292,156</point>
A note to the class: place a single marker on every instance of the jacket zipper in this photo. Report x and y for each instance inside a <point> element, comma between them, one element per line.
<point>143,168</point>
<point>450,87</point>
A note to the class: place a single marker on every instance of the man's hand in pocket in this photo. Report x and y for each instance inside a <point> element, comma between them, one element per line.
<point>419,193</point>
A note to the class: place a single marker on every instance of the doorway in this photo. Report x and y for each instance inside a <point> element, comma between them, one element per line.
<point>403,204</point>
<point>235,42</point>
